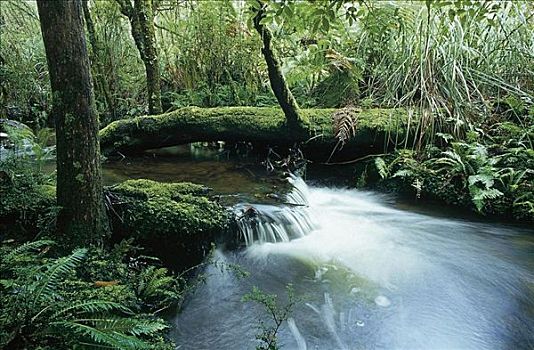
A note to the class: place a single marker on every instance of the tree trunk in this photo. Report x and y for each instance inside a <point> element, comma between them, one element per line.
<point>82,218</point>
<point>255,124</point>
<point>141,18</point>
<point>276,77</point>
<point>98,69</point>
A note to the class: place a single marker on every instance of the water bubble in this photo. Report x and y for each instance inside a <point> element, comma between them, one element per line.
<point>360,323</point>
<point>354,290</point>
<point>382,301</point>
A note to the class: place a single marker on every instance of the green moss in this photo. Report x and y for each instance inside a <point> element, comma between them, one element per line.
<point>255,124</point>
<point>168,209</point>
<point>176,221</point>
<point>145,189</point>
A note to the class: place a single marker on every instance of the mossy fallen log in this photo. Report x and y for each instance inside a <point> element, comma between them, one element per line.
<point>252,124</point>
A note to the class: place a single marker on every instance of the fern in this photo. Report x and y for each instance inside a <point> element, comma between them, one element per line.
<point>25,248</point>
<point>42,311</point>
<point>486,179</point>
<point>344,123</point>
<point>404,173</point>
<point>90,307</point>
<point>480,196</point>
<point>382,167</point>
<point>56,273</point>
<point>112,339</point>
<point>21,254</point>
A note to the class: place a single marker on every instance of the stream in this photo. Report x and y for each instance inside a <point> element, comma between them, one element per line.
<point>370,271</point>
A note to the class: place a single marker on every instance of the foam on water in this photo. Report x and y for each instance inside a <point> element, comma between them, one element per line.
<point>379,277</point>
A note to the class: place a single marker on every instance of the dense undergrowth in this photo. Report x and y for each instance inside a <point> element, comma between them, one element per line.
<point>112,295</point>
<point>453,59</point>
<point>490,171</point>
<point>90,298</point>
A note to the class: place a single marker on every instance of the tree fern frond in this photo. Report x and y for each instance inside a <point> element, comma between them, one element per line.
<point>344,122</point>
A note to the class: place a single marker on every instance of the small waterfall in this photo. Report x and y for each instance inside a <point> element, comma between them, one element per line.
<point>268,223</point>
<point>300,193</point>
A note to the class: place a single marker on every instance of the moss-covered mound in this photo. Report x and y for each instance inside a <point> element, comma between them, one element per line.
<point>176,221</point>
<point>25,201</point>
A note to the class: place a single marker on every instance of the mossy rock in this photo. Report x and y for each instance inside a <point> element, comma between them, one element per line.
<point>175,221</point>
<point>146,189</point>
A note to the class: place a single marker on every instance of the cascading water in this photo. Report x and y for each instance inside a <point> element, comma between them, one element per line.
<point>371,276</point>
<point>268,223</point>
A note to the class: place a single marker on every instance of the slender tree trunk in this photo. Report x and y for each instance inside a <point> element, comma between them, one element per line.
<point>141,16</point>
<point>276,77</point>
<point>98,69</point>
<point>82,219</point>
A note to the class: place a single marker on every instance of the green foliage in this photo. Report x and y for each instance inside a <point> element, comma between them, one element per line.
<point>137,280</point>
<point>211,58</point>
<point>451,60</point>
<point>39,307</point>
<point>27,198</point>
<point>24,86</point>
<point>492,179</point>
<point>23,146</point>
<point>278,314</point>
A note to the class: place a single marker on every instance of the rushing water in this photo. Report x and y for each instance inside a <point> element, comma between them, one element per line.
<point>370,276</point>
<point>372,272</point>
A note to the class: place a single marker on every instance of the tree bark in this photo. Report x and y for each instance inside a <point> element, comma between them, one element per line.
<point>276,77</point>
<point>255,124</point>
<point>141,16</point>
<point>82,218</point>
<point>96,58</point>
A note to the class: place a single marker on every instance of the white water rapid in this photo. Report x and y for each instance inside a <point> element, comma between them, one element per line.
<point>370,277</point>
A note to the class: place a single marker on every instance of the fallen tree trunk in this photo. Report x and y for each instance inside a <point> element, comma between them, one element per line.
<point>259,125</point>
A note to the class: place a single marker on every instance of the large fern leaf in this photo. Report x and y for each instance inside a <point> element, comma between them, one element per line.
<point>382,167</point>
<point>90,307</point>
<point>55,273</point>
<point>117,333</point>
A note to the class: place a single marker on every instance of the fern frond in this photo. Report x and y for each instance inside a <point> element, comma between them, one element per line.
<point>344,122</point>
<point>130,326</point>
<point>382,167</point>
<point>403,173</point>
<point>55,273</point>
<point>25,248</point>
<point>479,196</point>
<point>92,306</point>
<point>110,337</point>
<point>486,179</point>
